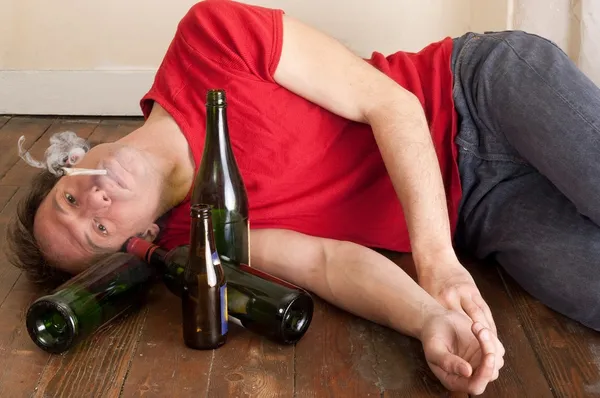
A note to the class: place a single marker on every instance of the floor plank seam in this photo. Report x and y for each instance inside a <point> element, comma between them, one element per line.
<point>294,393</point>
<point>9,199</point>
<point>536,354</point>
<point>212,361</point>
<point>6,121</point>
<point>11,289</point>
<point>42,374</point>
<point>379,384</point>
<point>134,350</point>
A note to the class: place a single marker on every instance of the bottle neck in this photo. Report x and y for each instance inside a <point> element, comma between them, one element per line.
<point>147,251</point>
<point>202,244</point>
<point>217,131</point>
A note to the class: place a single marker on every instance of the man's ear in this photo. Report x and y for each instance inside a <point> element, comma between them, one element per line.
<point>151,233</point>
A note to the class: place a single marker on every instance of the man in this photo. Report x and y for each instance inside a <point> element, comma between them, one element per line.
<point>486,141</point>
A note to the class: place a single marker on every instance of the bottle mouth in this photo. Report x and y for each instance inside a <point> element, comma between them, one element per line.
<point>297,319</point>
<point>51,326</point>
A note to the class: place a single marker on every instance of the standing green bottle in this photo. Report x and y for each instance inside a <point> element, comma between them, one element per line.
<point>219,184</point>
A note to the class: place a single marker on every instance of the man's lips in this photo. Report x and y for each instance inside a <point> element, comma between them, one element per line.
<point>115,173</point>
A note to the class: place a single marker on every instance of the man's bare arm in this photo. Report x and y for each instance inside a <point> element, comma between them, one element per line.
<point>352,277</point>
<point>322,70</point>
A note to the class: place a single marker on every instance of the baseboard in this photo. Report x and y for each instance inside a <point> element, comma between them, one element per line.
<point>66,92</point>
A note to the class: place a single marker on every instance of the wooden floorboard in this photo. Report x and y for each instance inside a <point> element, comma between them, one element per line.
<point>98,366</point>
<point>162,365</point>
<point>143,355</point>
<point>568,352</point>
<point>31,128</point>
<point>21,362</point>
<point>522,374</point>
<point>250,365</point>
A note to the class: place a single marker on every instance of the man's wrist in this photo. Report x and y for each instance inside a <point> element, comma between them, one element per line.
<point>428,260</point>
<point>428,312</point>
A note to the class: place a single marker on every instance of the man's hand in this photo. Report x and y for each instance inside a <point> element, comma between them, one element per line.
<point>453,287</point>
<point>462,355</point>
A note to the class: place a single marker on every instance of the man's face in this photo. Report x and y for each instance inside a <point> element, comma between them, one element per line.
<point>85,216</point>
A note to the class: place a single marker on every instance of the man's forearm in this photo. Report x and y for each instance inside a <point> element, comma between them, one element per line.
<point>369,285</point>
<point>402,134</point>
<point>350,276</point>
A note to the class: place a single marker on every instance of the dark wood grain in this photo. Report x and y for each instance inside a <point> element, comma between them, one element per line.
<point>522,375</point>
<point>30,127</point>
<point>98,366</point>
<point>21,173</point>
<point>335,358</point>
<point>252,366</point>
<point>568,352</point>
<point>8,273</point>
<point>162,365</point>
<point>21,362</point>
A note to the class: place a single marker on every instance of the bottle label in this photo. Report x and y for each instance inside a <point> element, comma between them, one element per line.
<point>224,312</point>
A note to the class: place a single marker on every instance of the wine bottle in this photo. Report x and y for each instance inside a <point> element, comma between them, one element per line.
<point>204,289</point>
<point>88,301</point>
<point>219,184</point>
<point>256,300</point>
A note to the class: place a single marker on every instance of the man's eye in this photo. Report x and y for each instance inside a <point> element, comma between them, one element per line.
<point>102,229</point>
<point>70,198</point>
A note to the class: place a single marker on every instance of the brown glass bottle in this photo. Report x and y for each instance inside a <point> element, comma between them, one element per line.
<point>219,184</point>
<point>204,294</point>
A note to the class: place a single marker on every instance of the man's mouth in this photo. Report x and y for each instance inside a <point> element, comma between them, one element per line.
<point>116,173</point>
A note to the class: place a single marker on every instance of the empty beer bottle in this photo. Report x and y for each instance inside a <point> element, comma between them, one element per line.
<point>88,301</point>
<point>219,184</point>
<point>261,303</point>
<point>204,290</point>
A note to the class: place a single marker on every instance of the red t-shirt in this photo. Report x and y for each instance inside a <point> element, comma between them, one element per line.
<point>305,168</point>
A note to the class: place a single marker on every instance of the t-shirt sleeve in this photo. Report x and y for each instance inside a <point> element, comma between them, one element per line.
<point>241,38</point>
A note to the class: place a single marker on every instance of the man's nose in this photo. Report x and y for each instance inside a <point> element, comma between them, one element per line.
<point>97,198</point>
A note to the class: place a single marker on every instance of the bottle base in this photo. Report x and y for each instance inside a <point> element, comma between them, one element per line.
<point>199,344</point>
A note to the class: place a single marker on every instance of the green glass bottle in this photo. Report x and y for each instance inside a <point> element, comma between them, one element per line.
<point>219,184</point>
<point>256,300</point>
<point>204,288</point>
<point>88,301</point>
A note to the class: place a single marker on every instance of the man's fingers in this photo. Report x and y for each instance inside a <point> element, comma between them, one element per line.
<point>485,372</point>
<point>479,312</point>
<point>486,310</point>
<point>474,311</point>
<point>439,356</point>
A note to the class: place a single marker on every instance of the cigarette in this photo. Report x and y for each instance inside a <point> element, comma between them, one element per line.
<point>82,172</point>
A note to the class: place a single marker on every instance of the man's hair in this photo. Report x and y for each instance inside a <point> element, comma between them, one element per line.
<point>24,251</point>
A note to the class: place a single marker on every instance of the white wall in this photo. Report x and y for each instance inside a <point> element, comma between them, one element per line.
<point>82,57</point>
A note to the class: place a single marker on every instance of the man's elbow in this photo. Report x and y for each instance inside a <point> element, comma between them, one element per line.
<point>390,103</point>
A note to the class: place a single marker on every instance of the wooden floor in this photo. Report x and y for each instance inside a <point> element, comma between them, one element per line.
<point>340,356</point>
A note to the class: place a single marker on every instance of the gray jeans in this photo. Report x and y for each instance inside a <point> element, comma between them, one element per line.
<point>529,158</point>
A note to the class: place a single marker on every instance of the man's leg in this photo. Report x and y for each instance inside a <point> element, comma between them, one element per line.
<point>529,139</point>
<point>529,92</point>
<point>538,237</point>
